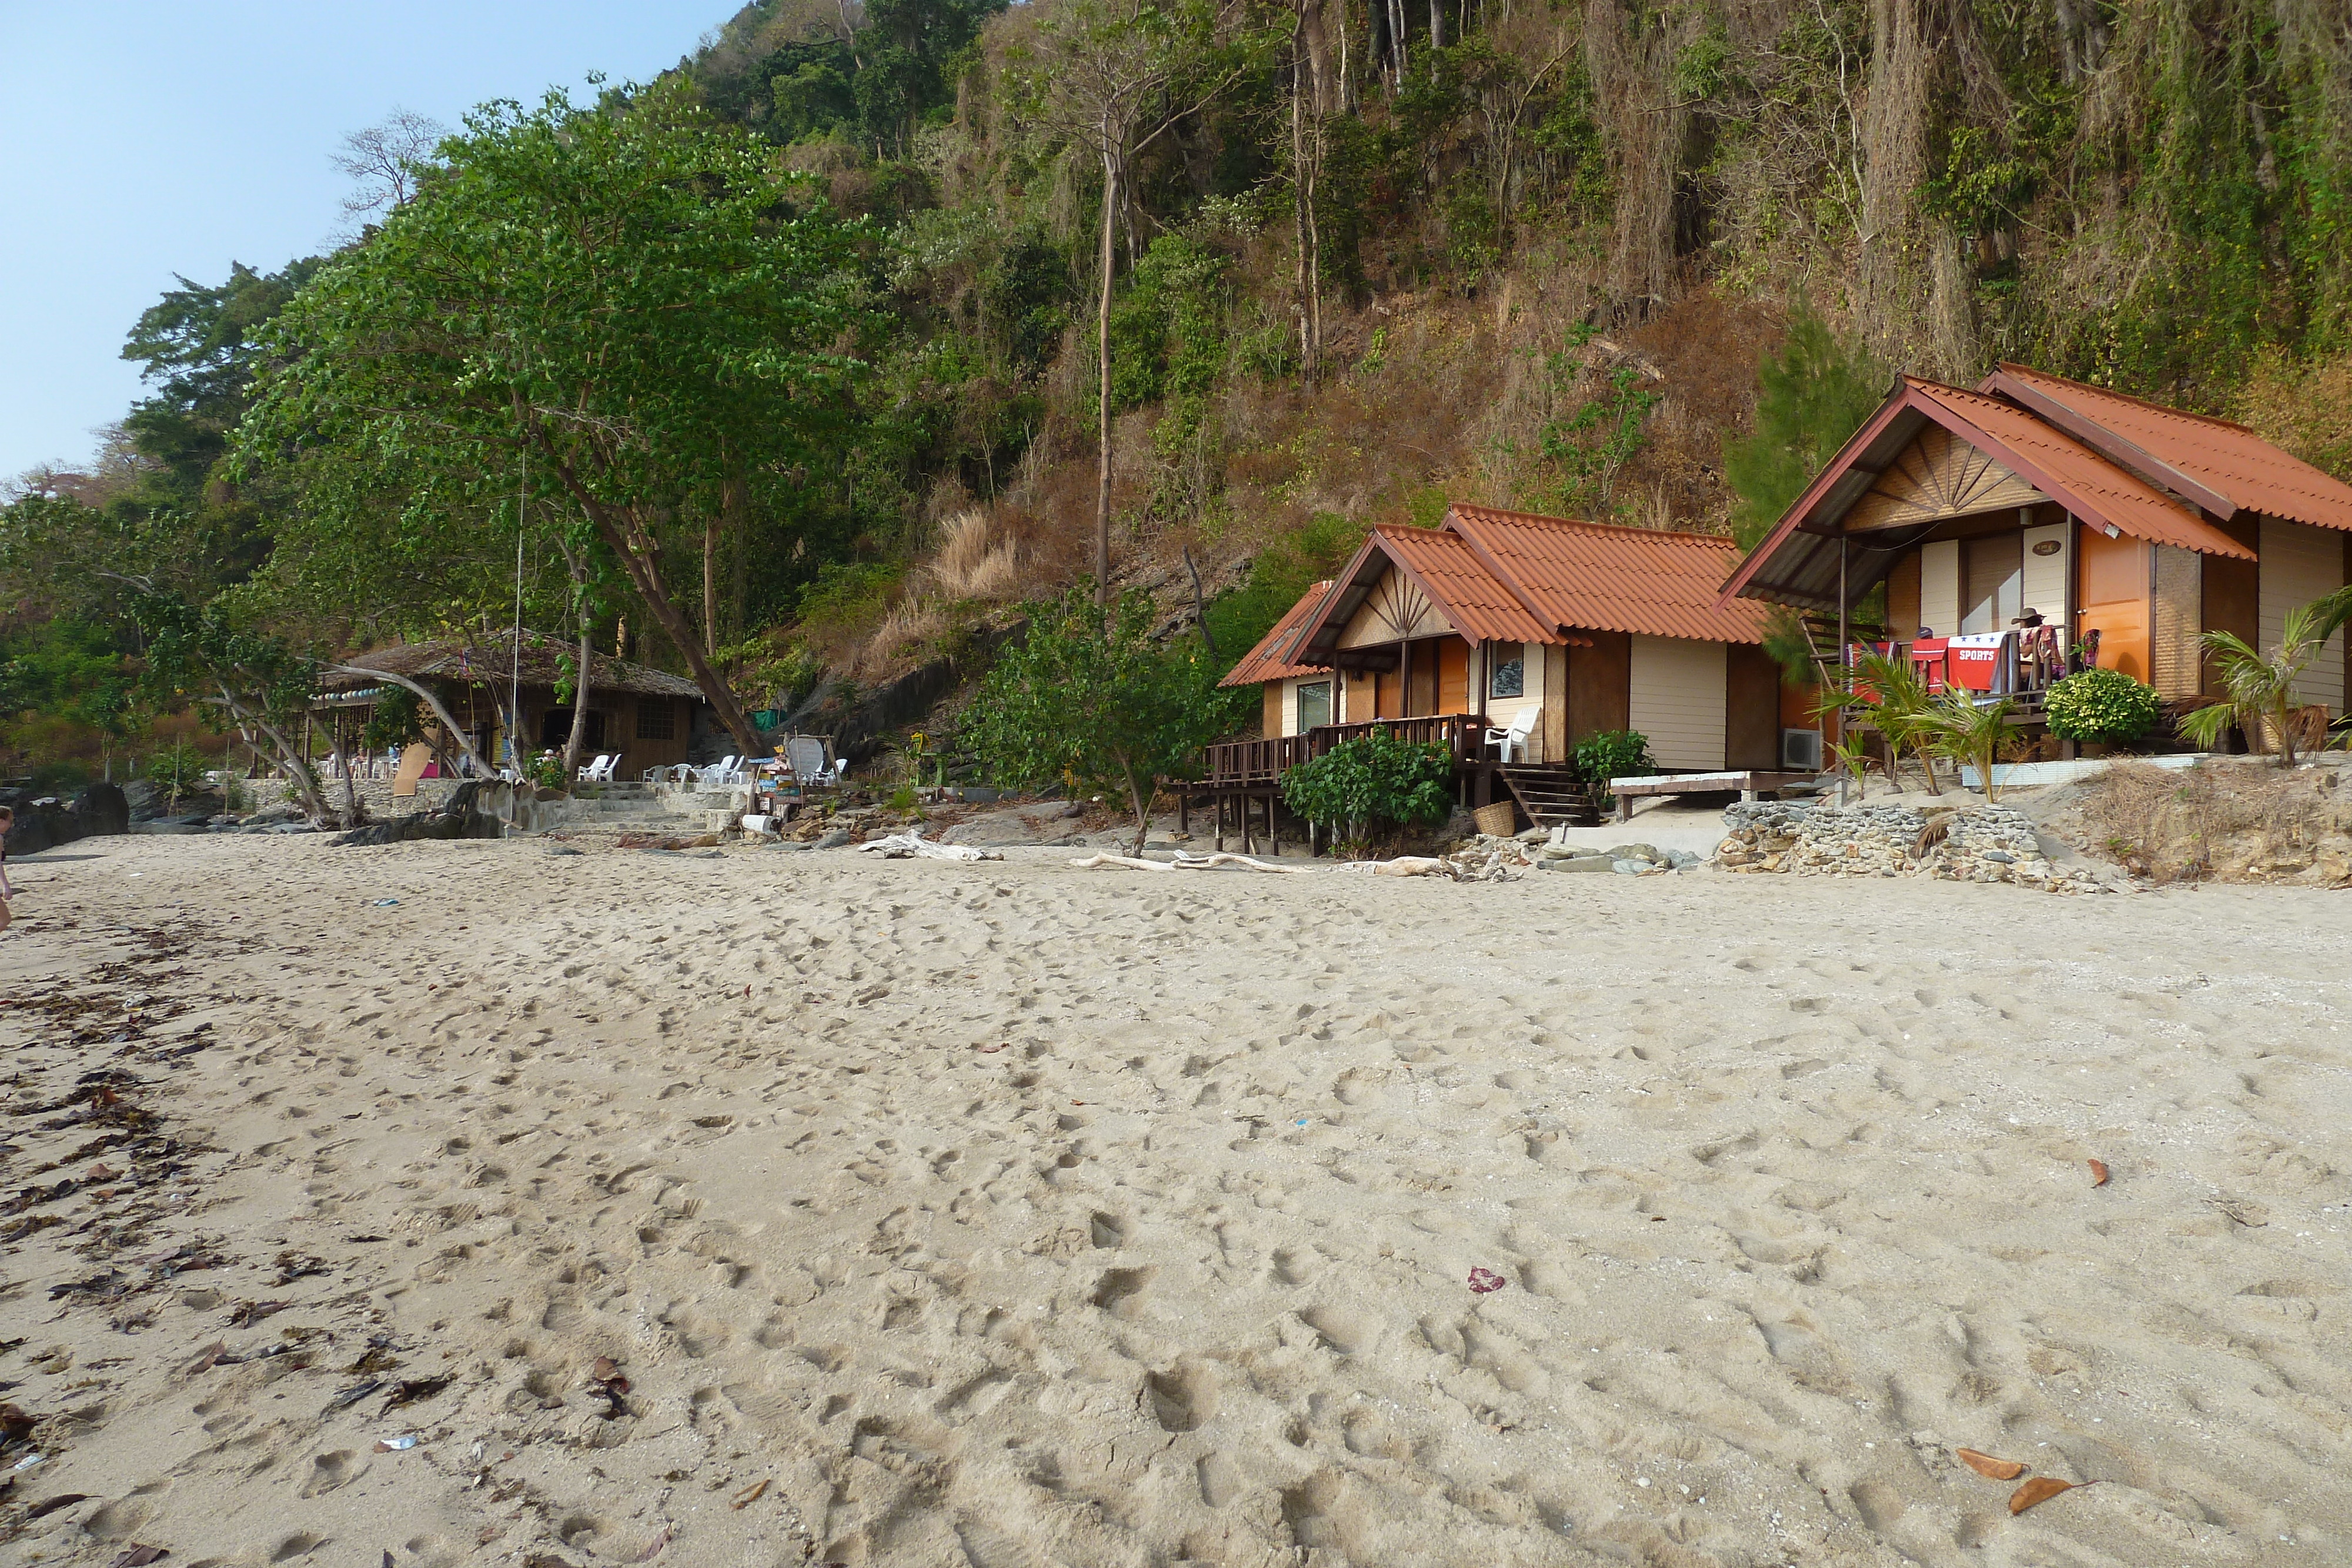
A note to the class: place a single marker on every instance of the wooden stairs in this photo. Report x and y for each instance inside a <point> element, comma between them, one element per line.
<point>1550,794</point>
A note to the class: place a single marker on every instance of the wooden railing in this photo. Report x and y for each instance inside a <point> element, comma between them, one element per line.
<point>1250,764</point>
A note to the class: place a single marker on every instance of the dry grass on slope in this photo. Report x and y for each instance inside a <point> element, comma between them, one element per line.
<point>2228,820</point>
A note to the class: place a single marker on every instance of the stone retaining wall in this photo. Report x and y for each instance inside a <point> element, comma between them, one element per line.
<point>1975,844</point>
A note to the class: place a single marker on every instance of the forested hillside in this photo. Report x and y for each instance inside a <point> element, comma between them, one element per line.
<point>1362,258</point>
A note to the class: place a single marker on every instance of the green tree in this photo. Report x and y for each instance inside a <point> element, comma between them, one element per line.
<point>1089,702</point>
<point>1811,396</point>
<point>1110,78</point>
<point>631,301</point>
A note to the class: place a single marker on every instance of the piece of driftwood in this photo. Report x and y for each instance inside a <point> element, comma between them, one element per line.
<point>905,846</point>
<point>1405,865</point>
<point>1187,863</point>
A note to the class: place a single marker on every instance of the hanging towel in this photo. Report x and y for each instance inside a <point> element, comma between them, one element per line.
<point>1984,662</point>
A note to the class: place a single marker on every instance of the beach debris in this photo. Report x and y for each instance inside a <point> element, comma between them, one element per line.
<point>2098,1173</point>
<point>410,1390</point>
<point>653,1550</point>
<point>248,1314</point>
<point>355,1394</point>
<point>49,1505</point>
<point>399,1445</point>
<point>606,1380</point>
<point>141,1554</point>
<point>750,1495</point>
<point>293,1266</point>
<point>1185,861</point>
<point>1987,1467</point>
<point>2041,1490</point>
<point>1406,865</point>
<point>16,1425</point>
<point>29,1461</point>
<point>386,902</point>
<point>1485,1281</point>
<point>989,1050</point>
<point>912,844</point>
<point>2243,1211</point>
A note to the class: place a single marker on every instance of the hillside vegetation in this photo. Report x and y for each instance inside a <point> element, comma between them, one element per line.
<point>1364,259</point>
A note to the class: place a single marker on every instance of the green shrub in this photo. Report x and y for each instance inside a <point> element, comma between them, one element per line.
<point>1088,701</point>
<point>2103,704</point>
<point>1376,778</point>
<point>177,772</point>
<point>1611,754</point>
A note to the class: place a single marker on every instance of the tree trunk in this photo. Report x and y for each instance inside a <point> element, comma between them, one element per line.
<point>297,770</point>
<point>710,586</point>
<point>1300,197</point>
<point>342,759</point>
<point>1102,395</point>
<point>577,741</point>
<point>635,548</point>
<point>1436,33</point>
<point>448,724</point>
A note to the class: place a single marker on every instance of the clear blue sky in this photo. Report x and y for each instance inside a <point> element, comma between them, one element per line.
<point>139,139</point>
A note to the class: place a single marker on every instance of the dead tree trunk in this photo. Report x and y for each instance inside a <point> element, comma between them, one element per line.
<point>1102,355</point>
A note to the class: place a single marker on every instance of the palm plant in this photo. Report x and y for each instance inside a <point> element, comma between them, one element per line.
<point>1901,710</point>
<point>2260,695</point>
<point>1970,734</point>
<point>1852,756</point>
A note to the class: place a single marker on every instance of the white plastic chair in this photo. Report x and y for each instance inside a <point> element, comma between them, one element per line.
<point>601,771</point>
<point>726,770</point>
<point>1515,738</point>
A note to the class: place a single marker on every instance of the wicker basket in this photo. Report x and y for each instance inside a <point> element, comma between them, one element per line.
<point>1499,820</point>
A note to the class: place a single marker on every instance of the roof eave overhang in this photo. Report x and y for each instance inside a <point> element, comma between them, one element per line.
<point>2116,449</point>
<point>1802,510</point>
<point>1502,574</point>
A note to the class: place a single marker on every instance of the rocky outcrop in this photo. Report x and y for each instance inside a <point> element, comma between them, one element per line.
<point>45,821</point>
<point>1972,843</point>
<point>480,809</point>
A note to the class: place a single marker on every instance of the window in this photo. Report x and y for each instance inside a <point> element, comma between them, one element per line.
<point>1313,706</point>
<point>1510,678</point>
<point>656,719</point>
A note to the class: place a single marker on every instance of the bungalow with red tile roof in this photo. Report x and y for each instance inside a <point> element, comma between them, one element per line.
<point>2073,524</point>
<point>1545,628</point>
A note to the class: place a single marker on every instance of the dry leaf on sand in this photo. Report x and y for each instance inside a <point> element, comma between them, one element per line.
<point>749,1496</point>
<point>2041,1488</point>
<point>1987,1466</point>
<point>2098,1173</point>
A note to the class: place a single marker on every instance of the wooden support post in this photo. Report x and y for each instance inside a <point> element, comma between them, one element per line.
<point>1183,811</point>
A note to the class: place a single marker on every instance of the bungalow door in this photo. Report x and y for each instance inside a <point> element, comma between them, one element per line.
<point>2114,593</point>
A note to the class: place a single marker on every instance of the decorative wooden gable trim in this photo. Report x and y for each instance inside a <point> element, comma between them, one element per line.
<point>1395,609</point>
<point>1938,476</point>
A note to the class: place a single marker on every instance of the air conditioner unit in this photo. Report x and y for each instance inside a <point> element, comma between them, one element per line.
<point>1800,750</point>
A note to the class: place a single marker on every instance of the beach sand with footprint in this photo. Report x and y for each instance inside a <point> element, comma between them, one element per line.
<point>803,1209</point>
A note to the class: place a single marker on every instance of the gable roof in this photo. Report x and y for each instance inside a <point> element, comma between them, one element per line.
<point>2222,468</point>
<point>1799,561</point>
<point>1269,661</point>
<point>1605,578</point>
<point>491,662</point>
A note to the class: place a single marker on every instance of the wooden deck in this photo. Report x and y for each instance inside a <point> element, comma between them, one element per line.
<point>1246,775</point>
<point>1748,784</point>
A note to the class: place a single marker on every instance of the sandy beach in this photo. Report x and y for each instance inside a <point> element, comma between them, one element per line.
<point>1012,1214</point>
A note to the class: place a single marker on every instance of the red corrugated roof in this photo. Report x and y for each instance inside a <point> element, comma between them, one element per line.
<point>1481,606</point>
<point>2227,459</point>
<point>1268,660</point>
<point>1601,577</point>
<point>2065,470</point>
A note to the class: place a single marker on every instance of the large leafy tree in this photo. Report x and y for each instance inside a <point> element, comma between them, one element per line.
<point>627,311</point>
<point>1088,699</point>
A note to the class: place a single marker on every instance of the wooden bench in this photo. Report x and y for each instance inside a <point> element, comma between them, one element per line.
<point>1749,785</point>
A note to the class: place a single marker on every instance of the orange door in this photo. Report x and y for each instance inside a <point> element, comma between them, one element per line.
<point>1453,675</point>
<point>1387,694</point>
<point>2114,593</point>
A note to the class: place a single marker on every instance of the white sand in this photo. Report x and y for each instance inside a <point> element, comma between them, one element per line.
<point>1785,1179</point>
